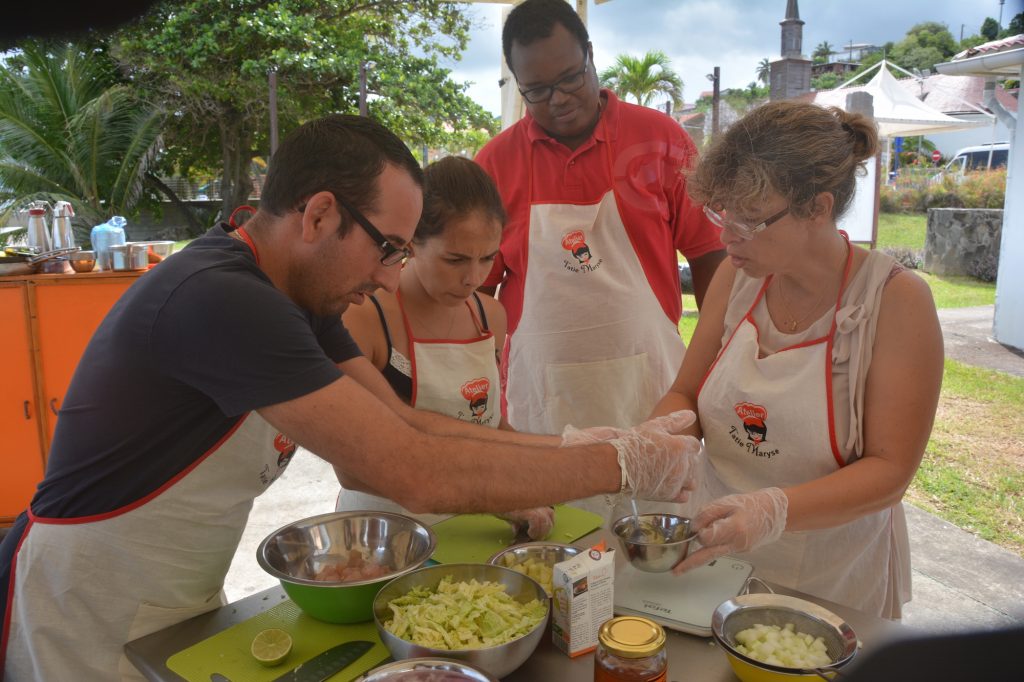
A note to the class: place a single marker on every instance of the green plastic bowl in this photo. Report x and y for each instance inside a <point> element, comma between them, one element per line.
<point>296,553</point>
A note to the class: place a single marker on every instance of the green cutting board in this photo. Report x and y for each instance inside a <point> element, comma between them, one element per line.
<point>227,652</point>
<point>473,538</point>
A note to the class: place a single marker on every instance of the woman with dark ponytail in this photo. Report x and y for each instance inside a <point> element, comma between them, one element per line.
<point>833,352</point>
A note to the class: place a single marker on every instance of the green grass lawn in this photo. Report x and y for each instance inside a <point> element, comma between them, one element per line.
<point>896,230</point>
<point>972,474</point>
<point>901,230</point>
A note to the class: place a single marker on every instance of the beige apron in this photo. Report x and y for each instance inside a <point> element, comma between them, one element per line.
<point>593,346</point>
<point>84,587</point>
<point>769,421</point>
<point>455,377</point>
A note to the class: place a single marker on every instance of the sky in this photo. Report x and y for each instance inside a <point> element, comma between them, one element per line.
<point>735,35</point>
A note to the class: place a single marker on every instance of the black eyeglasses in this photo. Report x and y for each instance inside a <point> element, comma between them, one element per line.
<point>570,83</point>
<point>742,229</point>
<point>390,253</point>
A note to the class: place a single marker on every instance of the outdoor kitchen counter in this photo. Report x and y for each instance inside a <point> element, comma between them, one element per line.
<point>691,658</point>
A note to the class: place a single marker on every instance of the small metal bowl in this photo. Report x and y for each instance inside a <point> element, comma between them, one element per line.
<point>546,553</point>
<point>654,542</point>
<point>744,611</point>
<point>83,261</point>
<point>426,670</point>
<point>296,553</point>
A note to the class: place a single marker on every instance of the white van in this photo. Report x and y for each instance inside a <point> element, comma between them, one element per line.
<point>979,157</point>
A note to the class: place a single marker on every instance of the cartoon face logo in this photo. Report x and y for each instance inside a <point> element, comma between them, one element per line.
<point>475,391</point>
<point>576,244</point>
<point>286,448</point>
<point>754,417</point>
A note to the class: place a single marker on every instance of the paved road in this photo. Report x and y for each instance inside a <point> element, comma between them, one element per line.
<point>967,333</point>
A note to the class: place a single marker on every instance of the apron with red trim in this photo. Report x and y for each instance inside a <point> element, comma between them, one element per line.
<point>768,421</point>
<point>83,587</point>
<point>455,377</point>
<point>594,346</point>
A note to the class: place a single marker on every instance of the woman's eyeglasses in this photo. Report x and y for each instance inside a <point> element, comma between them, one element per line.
<point>739,228</point>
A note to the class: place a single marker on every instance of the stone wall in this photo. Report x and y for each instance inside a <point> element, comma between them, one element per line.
<point>962,241</point>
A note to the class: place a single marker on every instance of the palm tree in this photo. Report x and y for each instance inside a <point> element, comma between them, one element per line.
<point>644,78</point>
<point>69,132</point>
<point>822,52</point>
<point>764,70</point>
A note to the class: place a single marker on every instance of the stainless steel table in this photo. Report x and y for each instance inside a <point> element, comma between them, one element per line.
<point>691,658</point>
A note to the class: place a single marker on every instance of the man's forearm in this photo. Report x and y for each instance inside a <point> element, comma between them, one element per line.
<point>441,425</point>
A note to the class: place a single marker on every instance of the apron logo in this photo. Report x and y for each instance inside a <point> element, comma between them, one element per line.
<point>475,391</point>
<point>755,425</point>
<point>286,448</point>
<point>576,244</point>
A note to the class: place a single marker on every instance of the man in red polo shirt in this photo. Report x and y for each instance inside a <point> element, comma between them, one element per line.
<point>597,208</point>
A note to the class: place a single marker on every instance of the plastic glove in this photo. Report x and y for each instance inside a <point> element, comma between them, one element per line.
<point>673,423</point>
<point>737,523</point>
<point>537,521</point>
<point>658,465</point>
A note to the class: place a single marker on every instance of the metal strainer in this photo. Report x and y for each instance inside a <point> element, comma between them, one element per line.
<point>746,610</point>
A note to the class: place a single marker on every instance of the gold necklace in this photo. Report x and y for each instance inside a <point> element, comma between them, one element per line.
<point>794,323</point>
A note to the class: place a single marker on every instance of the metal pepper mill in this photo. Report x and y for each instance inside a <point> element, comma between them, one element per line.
<point>63,235</point>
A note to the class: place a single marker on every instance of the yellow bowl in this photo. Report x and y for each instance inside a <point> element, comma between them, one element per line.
<point>746,610</point>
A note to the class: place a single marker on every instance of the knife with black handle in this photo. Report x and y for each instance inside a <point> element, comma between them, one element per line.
<point>324,665</point>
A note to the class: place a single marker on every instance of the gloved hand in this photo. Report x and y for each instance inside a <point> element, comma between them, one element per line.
<point>537,521</point>
<point>658,465</point>
<point>672,423</point>
<point>737,523</point>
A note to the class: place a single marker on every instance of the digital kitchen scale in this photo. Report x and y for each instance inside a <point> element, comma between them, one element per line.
<point>684,602</point>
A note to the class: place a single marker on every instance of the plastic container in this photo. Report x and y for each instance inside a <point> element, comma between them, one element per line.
<point>104,236</point>
<point>631,649</point>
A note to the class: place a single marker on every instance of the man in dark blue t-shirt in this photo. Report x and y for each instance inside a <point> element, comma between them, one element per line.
<point>192,395</point>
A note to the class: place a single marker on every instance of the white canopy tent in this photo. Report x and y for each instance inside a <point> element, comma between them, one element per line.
<point>898,114</point>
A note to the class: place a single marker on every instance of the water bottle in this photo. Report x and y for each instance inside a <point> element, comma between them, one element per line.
<point>104,236</point>
<point>63,236</point>
<point>38,235</point>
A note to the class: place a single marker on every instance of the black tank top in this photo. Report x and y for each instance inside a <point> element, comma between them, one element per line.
<point>401,382</point>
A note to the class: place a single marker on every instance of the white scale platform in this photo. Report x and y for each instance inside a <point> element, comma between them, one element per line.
<point>684,602</point>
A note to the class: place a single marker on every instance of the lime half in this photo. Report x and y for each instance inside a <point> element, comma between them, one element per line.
<point>270,647</point>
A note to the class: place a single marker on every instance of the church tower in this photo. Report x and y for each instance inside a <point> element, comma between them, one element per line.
<point>790,76</point>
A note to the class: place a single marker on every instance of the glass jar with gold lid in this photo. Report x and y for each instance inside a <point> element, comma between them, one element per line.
<point>630,649</point>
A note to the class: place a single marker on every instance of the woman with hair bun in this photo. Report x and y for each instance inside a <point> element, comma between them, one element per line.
<point>814,370</point>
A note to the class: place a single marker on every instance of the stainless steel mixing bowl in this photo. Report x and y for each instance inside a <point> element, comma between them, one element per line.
<point>654,542</point>
<point>295,553</point>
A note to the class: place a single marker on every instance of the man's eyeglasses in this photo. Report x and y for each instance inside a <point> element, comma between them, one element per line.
<point>390,253</point>
<point>739,228</point>
<point>570,83</point>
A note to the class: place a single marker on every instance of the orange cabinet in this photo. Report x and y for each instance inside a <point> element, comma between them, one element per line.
<point>48,320</point>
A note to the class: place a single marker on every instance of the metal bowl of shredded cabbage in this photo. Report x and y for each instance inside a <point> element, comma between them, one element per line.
<point>489,616</point>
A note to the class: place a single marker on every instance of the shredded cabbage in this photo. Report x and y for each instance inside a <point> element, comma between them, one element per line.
<point>462,615</point>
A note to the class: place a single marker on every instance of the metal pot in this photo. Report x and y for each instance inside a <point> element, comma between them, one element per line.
<point>130,256</point>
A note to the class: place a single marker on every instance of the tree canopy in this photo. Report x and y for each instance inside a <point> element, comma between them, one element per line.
<point>70,132</point>
<point>644,77</point>
<point>207,62</point>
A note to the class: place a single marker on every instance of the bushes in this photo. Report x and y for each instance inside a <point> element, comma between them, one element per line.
<point>980,189</point>
<point>912,259</point>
